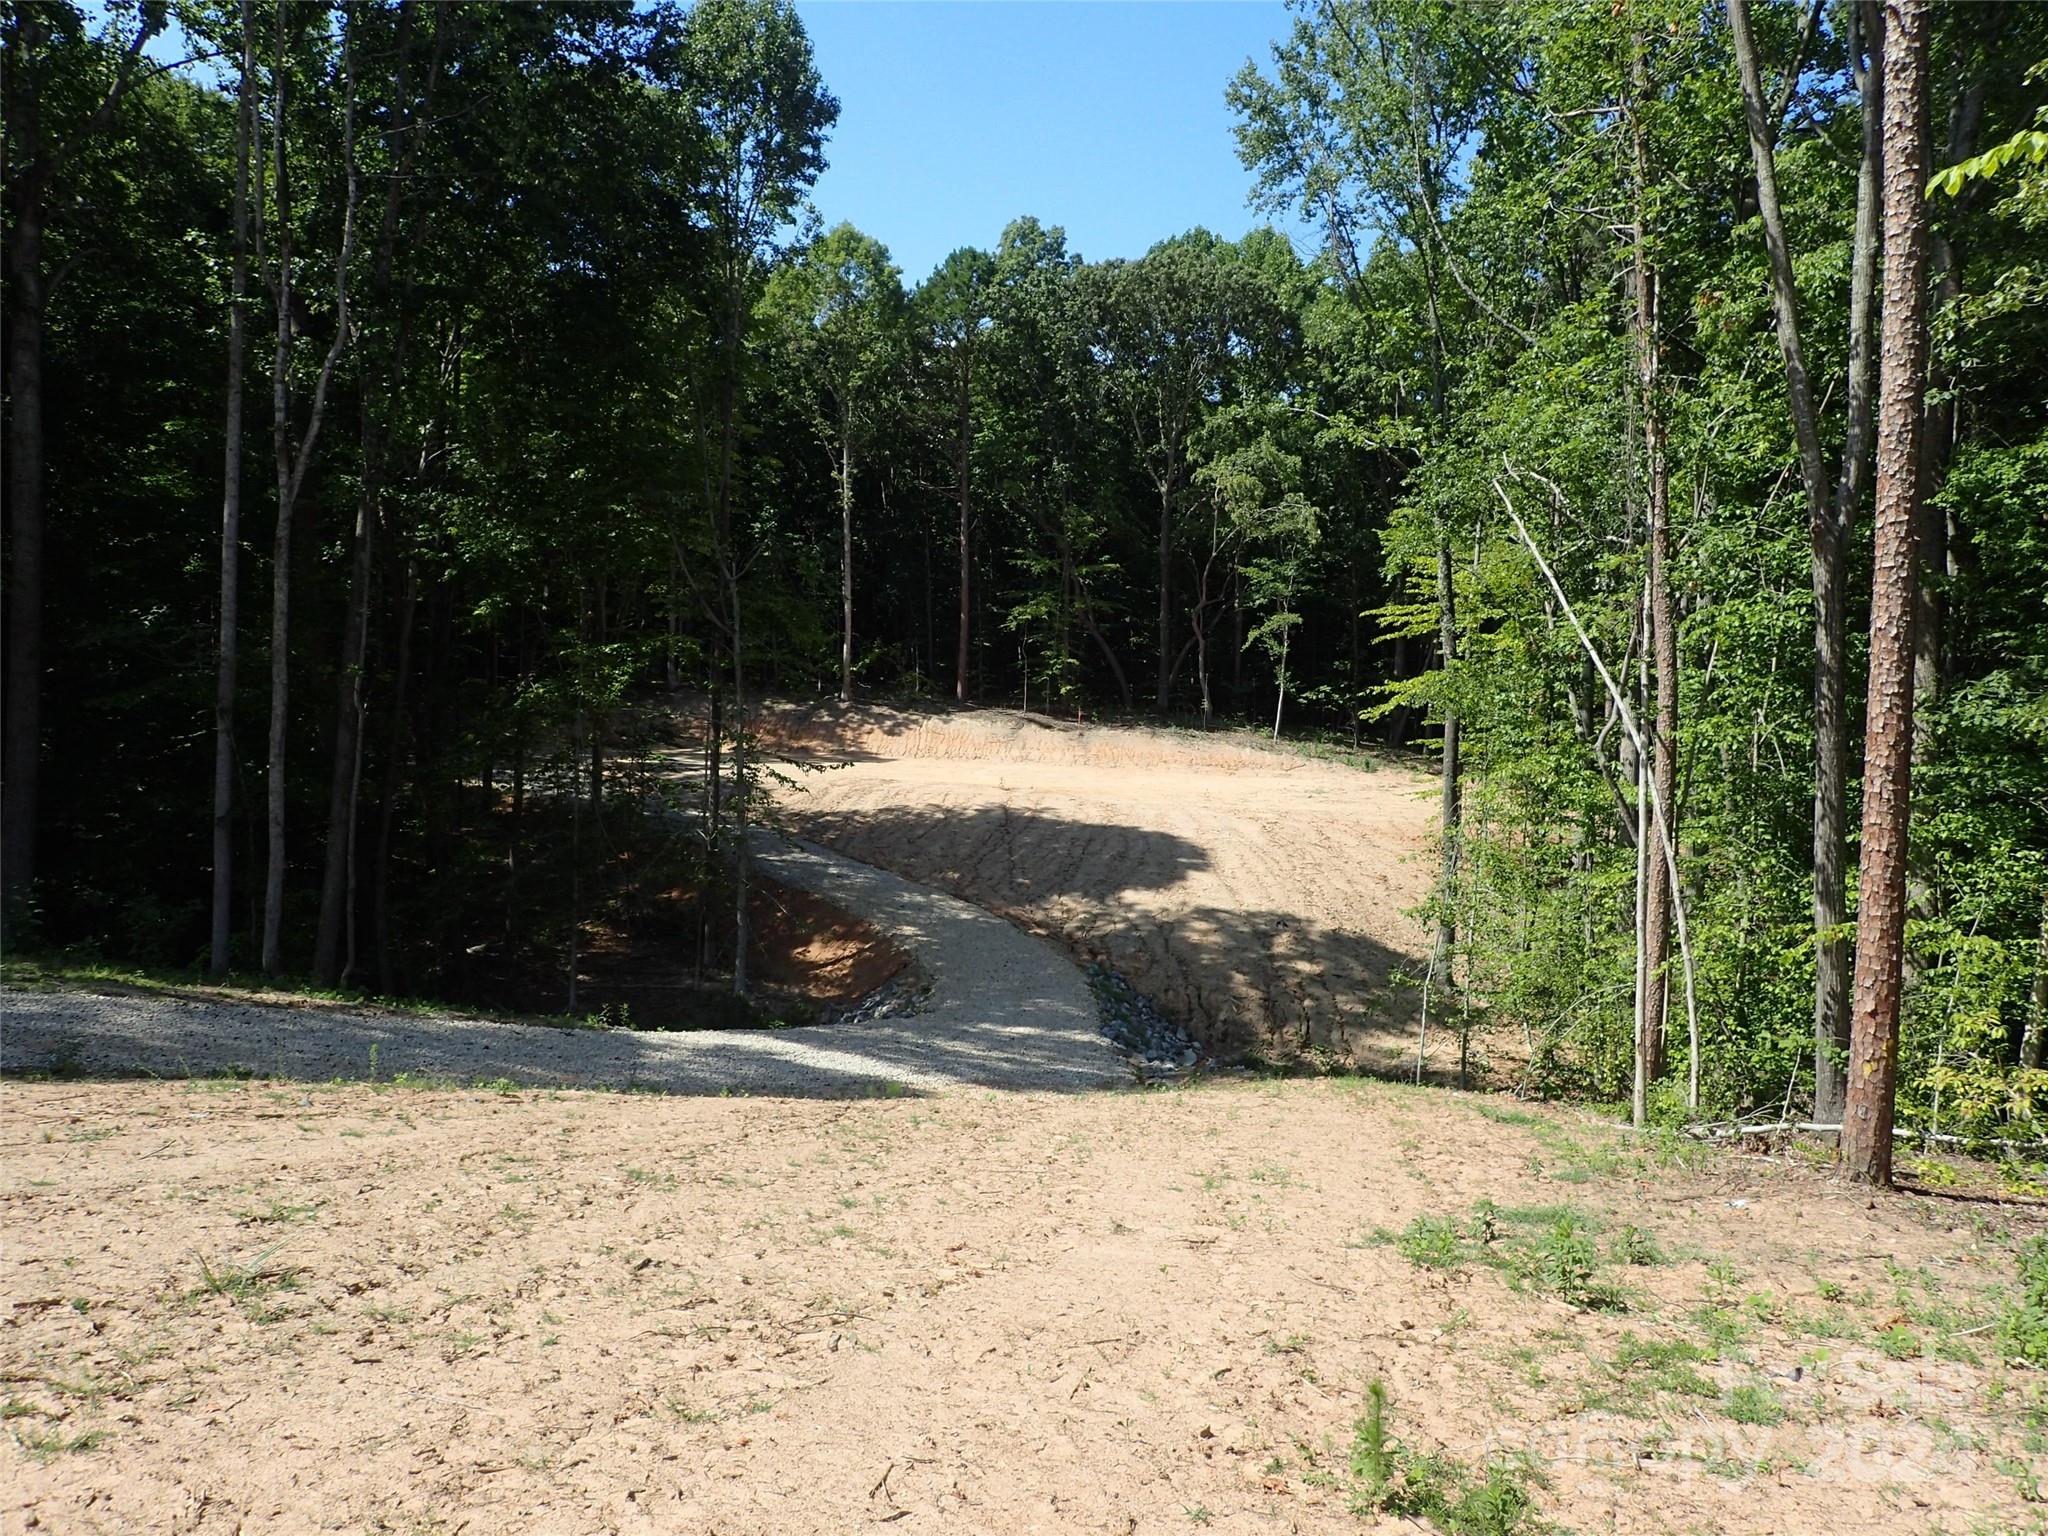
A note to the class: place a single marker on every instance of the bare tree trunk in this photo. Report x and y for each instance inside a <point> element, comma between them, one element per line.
<point>291,468</point>
<point>1450,805</point>
<point>1940,442</point>
<point>963,474</point>
<point>337,911</point>
<point>1645,981</point>
<point>21,737</point>
<point>1663,623</point>
<point>348,735</point>
<point>2034,1044</point>
<point>387,802</point>
<point>1888,744</point>
<point>1829,521</point>
<point>231,524</point>
<point>21,674</point>
<point>1165,591</point>
<point>742,862</point>
<point>845,563</point>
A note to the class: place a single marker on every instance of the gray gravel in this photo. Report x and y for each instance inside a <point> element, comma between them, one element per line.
<point>1005,1010</point>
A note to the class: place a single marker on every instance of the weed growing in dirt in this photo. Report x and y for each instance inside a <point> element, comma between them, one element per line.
<point>246,1285</point>
<point>1753,1402</point>
<point>44,1444</point>
<point>1432,1242</point>
<point>1390,1478</point>
<point>2023,1330</point>
<point>1662,1365</point>
<point>1561,1259</point>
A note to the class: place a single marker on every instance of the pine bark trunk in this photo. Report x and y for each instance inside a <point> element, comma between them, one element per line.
<point>1866,1150</point>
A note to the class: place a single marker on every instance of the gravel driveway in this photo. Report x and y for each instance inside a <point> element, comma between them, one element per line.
<point>1006,1011</point>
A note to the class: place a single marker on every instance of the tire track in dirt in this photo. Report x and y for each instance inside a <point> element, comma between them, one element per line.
<point>1260,898</point>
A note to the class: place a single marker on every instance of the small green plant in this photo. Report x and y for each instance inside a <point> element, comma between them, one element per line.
<point>2024,1327</point>
<point>1372,1460</point>
<point>1753,1402</point>
<point>1388,1478</point>
<point>1632,1245</point>
<point>1431,1242</point>
<point>1899,1342</point>
<point>1564,1262</point>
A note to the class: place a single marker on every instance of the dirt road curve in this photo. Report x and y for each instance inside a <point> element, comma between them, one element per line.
<point>1259,897</point>
<point>1006,1010</point>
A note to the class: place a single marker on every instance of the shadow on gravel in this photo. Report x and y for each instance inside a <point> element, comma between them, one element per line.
<point>128,1036</point>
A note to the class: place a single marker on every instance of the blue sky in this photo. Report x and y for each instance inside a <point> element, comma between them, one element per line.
<point>1106,117</point>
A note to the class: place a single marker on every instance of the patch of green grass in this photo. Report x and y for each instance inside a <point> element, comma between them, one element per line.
<point>1664,1365</point>
<point>1633,1246</point>
<point>247,1285</point>
<point>1564,1262</point>
<point>1459,1500</point>
<point>1898,1342</point>
<point>1432,1242</point>
<point>2023,1326</point>
<point>1501,1116</point>
<point>1753,1402</point>
<point>44,1444</point>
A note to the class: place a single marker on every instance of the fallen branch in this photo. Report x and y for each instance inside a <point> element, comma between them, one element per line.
<point>1657,808</point>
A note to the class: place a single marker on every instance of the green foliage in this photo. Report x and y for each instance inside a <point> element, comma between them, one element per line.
<point>2023,1329</point>
<point>1391,1478</point>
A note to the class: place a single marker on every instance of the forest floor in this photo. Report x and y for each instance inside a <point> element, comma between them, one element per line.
<point>1262,898</point>
<point>241,1305</point>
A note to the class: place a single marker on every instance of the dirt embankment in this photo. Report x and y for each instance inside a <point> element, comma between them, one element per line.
<point>1262,898</point>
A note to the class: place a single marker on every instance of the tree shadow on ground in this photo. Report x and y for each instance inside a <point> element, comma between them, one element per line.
<point>1241,980</point>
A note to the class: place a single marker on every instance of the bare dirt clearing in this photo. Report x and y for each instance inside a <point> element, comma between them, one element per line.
<point>247,1306</point>
<point>1261,898</point>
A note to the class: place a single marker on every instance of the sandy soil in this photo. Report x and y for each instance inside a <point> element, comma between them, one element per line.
<point>265,1307</point>
<point>1259,897</point>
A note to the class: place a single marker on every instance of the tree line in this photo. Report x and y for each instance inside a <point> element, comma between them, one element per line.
<point>1550,462</point>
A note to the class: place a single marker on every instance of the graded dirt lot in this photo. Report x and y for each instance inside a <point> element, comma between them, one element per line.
<point>249,1306</point>
<point>1260,897</point>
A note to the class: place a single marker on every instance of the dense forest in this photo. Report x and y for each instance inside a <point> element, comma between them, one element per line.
<point>419,412</point>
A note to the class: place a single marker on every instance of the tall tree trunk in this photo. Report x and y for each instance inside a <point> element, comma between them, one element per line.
<point>845,564</point>
<point>963,477</point>
<point>22,732</point>
<point>337,911</point>
<point>387,799</point>
<point>1829,519</point>
<point>21,675</point>
<point>345,777</point>
<point>1166,487</point>
<point>231,523</point>
<point>1450,791</point>
<point>2034,1043</point>
<point>1663,625</point>
<point>281,541</point>
<point>292,466</point>
<point>1888,743</point>
<point>1940,442</point>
